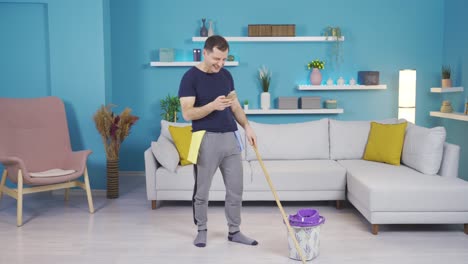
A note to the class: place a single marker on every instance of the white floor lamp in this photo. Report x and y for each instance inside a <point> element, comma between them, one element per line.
<point>407,95</point>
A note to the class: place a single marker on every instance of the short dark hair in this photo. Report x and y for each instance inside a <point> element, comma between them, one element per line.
<point>216,41</point>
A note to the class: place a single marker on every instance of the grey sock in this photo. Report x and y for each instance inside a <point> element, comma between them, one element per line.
<point>200,240</point>
<point>241,238</point>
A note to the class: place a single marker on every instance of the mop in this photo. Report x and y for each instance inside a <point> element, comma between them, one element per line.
<point>285,218</point>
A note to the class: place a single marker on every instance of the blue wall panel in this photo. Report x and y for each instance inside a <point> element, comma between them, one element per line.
<point>24,52</point>
<point>67,37</point>
<point>456,55</point>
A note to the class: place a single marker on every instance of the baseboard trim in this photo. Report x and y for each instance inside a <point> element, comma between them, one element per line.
<point>131,173</point>
<point>80,192</point>
<point>99,192</point>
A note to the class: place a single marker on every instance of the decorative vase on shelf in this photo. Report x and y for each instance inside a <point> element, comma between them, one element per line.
<point>330,81</point>
<point>446,107</point>
<point>315,77</point>
<point>112,174</point>
<point>265,101</point>
<point>246,107</point>
<point>352,81</point>
<point>446,83</point>
<point>203,30</point>
<point>210,29</point>
<point>340,81</point>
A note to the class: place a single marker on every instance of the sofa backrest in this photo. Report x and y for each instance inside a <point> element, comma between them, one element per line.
<point>308,140</point>
<point>348,139</point>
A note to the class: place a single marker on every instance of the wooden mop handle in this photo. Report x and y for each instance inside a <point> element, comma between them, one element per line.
<point>285,218</point>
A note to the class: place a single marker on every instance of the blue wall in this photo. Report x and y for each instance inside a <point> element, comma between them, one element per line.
<point>379,35</point>
<point>456,55</point>
<point>63,42</point>
<point>24,50</point>
<point>92,52</point>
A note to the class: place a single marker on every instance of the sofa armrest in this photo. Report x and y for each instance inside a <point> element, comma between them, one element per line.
<point>151,165</point>
<point>450,159</point>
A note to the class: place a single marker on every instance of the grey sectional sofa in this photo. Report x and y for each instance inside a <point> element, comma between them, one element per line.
<point>322,160</point>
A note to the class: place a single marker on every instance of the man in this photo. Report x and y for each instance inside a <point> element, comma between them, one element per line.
<point>203,97</point>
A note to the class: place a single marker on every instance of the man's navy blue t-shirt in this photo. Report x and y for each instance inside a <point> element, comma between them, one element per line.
<point>206,87</point>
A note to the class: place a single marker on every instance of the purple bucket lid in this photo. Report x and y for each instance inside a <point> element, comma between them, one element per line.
<point>306,217</point>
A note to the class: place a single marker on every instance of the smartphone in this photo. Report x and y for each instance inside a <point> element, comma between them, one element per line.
<point>231,95</point>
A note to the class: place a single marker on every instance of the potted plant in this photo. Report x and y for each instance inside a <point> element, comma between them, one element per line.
<point>335,34</point>
<point>170,106</point>
<point>316,76</point>
<point>265,78</point>
<point>246,104</point>
<point>446,72</point>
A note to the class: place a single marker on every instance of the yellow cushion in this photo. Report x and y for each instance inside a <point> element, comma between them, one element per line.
<point>385,143</point>
<point>182,137</point>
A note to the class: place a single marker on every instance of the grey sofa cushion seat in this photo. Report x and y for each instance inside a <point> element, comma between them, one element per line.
<point>387,188</point>
<point>183,179</point>
<point>299,175</point>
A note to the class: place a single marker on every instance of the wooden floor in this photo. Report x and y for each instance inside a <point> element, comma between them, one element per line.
<point>126,230</point>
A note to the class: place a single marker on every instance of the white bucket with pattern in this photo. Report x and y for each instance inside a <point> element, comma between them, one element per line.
<point>309,241</point>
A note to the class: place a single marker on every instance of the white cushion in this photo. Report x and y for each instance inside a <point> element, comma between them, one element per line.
<point>308,140</point>
<point>51,173</point>
<point>423,148</point>
<point>165,128</point>
<point>348,139</point>
<point>165,153</point>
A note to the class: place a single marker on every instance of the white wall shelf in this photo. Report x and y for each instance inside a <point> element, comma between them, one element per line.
<point>456,116</point>
<point>446,90</point>
<point>341,87</point>
<point>185,63</point>
<point>274,39</point>
<point>293,111</point>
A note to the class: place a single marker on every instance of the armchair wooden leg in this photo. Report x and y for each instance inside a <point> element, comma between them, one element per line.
<point>153,206</point>
<point>19,200</point>
<point>339,204</point>
<point>465,227</point>
<point>2,183</point>
<point>375,229</point>
<point>88,191</point>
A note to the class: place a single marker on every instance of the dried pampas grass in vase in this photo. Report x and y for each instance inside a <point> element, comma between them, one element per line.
<point>113,130</point>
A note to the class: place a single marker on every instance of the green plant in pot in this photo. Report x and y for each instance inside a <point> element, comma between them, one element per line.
<point>264,76</point>
<point>335,34</point>
<point>446,73</point>
<point>170,106</point>
<point>246,104</point>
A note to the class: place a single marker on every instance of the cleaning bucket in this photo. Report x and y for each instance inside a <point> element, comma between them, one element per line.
<point>306,225</point>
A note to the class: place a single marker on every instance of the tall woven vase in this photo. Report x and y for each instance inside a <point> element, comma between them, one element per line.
<point>112,179</point>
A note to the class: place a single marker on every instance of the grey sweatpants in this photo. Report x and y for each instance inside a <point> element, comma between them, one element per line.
<point>218,150</point>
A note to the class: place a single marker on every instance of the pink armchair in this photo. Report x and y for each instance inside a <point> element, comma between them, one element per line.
<point>34,138</point>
